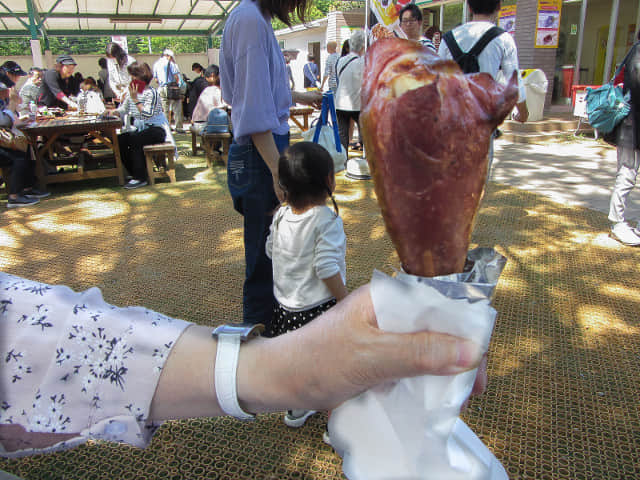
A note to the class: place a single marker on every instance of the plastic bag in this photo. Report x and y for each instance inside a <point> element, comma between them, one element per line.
<point>409,429</point>
<point>326,134</point>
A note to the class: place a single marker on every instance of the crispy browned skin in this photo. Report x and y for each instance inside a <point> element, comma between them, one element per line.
<point>426,128</point>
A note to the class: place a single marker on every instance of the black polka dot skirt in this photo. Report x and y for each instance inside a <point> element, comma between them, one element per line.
<point>285,320</point>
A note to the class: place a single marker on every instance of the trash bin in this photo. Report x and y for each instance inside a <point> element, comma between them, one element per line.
<point>535,85</point>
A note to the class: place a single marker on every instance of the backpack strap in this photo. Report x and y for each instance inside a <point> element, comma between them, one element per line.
<point>624,62</point>
<point>454,48</point>
<point>343,67</point>
<point>489,35</point>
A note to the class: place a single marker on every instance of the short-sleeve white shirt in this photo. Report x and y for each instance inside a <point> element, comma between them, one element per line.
<point>500,54</point>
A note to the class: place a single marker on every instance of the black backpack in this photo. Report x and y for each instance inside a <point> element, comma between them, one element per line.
<point>468,61</point>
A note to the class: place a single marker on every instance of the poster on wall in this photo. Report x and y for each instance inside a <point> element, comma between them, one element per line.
<point>548,25</point>
<point>383,19</point>
<point>507,19</point>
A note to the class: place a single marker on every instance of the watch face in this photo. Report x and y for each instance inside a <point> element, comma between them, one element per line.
<point>244,330</point>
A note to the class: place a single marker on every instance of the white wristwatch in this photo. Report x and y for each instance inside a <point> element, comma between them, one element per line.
<point>229,339</point>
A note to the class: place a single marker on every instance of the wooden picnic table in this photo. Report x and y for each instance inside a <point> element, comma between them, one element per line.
<point>100,129</point>
<point>304,112</point>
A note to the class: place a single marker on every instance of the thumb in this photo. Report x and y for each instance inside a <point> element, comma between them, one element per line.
<point>427,353</point>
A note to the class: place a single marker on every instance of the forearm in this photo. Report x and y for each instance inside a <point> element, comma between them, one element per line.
<point>336,286</point>
<point>267,149</point>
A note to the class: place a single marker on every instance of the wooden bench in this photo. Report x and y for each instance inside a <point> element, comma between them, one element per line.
<point>160,161</point>
<point>303,112</point>
<point>209,143</point>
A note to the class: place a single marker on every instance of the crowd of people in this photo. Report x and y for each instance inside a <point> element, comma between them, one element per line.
<point>123,88</point>
<point>323,345</point>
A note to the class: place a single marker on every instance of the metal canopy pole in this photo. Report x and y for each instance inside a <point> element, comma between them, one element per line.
<point>36,50</point>
<point>611,41</point>
<point>583,17</point>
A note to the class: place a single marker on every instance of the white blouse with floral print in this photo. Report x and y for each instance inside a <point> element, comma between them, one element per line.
<point>71,363</point>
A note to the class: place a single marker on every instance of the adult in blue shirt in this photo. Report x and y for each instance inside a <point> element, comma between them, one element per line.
<point>254,82</point>
<point>311,73</point>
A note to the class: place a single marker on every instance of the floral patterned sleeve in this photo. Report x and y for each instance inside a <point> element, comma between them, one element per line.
<point>72,364</point>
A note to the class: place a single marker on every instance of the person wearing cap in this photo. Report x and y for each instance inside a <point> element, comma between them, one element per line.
<point>10,73</point>
<point>165,71</point>
<point>22,177</point>
<point>54,84</point>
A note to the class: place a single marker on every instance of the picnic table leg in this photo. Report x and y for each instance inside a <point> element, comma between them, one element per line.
<point>306,121</point>
<point>35,155</point>
<point>116,153</point>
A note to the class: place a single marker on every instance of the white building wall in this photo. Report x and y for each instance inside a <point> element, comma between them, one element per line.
<point>300,41</point>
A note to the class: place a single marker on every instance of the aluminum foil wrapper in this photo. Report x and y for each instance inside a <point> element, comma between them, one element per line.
<point>410,429</point>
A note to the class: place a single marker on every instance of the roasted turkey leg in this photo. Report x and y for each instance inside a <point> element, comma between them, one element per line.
<point>426,129</point>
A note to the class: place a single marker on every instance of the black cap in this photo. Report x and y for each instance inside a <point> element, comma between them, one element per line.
<point>12,67</point>
<point>66,60</point>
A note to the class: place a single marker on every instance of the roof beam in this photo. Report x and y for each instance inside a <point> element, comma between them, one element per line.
<point>108,33</point>
<point>190,10</point>
<point>105,16</point>
<point>11,14</point>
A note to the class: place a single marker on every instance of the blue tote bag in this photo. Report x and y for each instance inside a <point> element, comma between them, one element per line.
<point>606,105</point>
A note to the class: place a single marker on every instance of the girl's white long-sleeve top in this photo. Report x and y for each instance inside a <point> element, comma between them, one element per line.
<point>305,249</point>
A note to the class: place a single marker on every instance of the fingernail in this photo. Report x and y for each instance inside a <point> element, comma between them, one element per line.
<point>469,354</point>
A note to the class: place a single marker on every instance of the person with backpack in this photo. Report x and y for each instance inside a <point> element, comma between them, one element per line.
<point>480,46</point>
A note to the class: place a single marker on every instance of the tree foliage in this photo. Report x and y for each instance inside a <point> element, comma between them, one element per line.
<point>319,9</point>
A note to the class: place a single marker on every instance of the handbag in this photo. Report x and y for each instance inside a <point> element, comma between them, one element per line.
<point>606,105</point>
<point>173,89</point>
<point>13,139</point>
<point>326,134</point>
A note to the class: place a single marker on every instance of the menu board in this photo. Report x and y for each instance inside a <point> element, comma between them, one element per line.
<point>507,19</point>
<point>548,24</point>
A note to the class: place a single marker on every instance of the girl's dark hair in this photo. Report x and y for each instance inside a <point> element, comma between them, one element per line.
<point>116,51</point>
<point>345,48</point>
<point>141,70</point>
<point>304,170</point>
<point>102,62</point>
<point>91,82</point>
<point>282,9</point>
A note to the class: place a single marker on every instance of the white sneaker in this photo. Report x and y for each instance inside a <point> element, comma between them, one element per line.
<point>296,418</point>
<point>133,183</point>
<point>625,234</point>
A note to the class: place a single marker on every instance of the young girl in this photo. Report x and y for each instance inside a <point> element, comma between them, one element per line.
<point>90,98</point>
<point>307,245</point>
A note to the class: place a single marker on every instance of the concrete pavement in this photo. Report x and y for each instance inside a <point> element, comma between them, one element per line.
<point>580,172</point>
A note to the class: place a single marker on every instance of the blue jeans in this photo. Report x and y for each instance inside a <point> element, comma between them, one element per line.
<point>251,187</point>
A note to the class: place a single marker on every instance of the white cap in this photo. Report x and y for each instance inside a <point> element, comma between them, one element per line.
<point>167,52</point>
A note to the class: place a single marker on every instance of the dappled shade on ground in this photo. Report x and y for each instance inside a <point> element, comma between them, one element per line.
<point>562,401</point>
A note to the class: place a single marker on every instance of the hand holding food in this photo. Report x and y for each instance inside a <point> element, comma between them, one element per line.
<point>426,129</point>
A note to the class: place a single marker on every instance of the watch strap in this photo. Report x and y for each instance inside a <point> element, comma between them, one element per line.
<point>225,375</point>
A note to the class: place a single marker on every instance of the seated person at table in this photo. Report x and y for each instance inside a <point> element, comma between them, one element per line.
<point>144,106</point>
<point>90,98</point>
<point>31,89</point>
<point>21,178</point>
<point>55,82</point>
<point>210,98</point>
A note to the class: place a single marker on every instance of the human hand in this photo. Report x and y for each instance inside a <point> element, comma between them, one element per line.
<point>522,112</point>
<point>277,188</point>
<point>341,354</point>
<point>313,98</point>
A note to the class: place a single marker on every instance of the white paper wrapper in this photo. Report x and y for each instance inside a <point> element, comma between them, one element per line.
<point>410,429</point>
